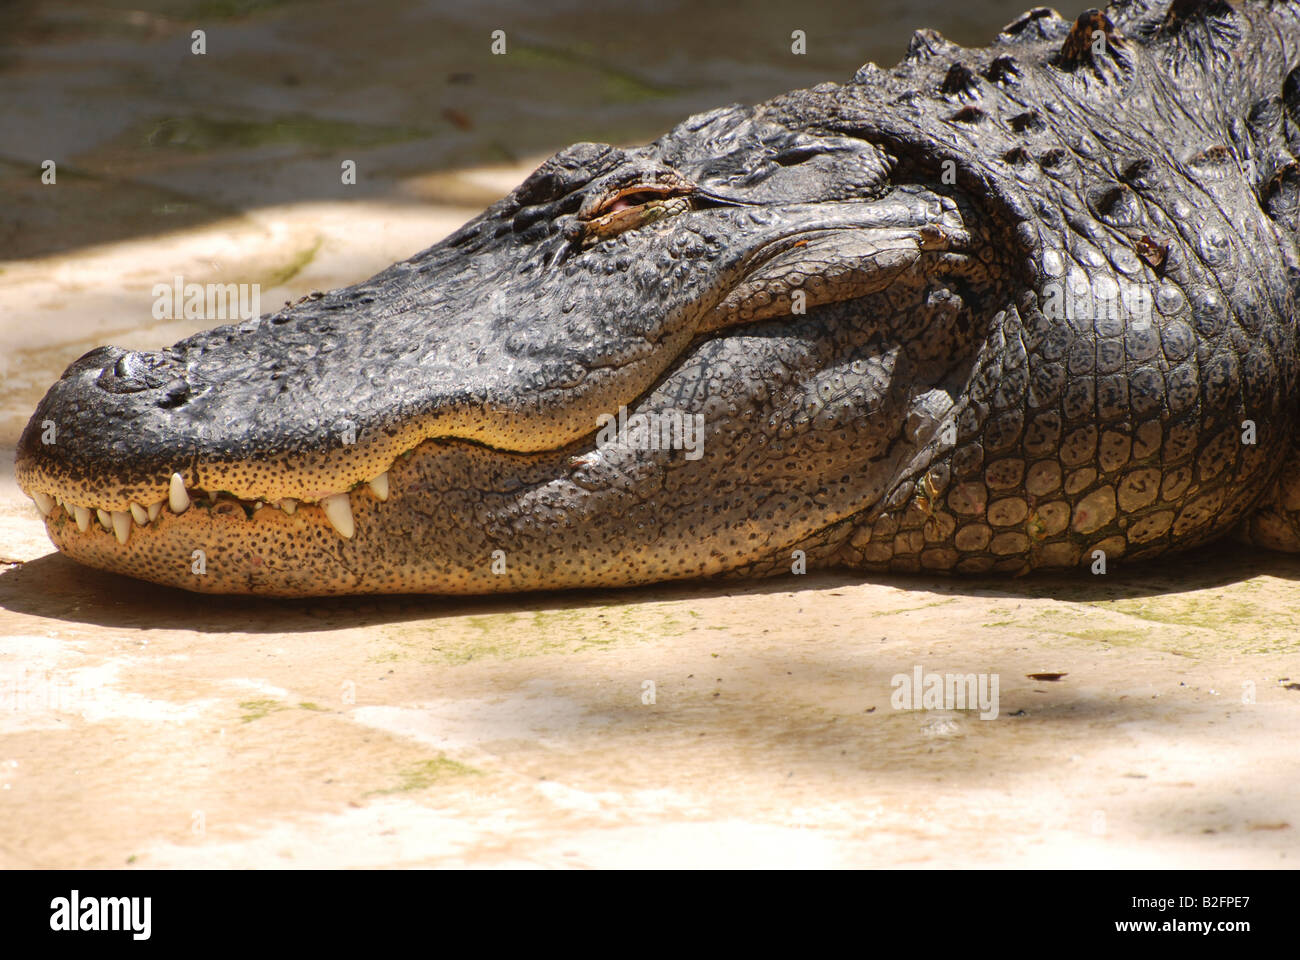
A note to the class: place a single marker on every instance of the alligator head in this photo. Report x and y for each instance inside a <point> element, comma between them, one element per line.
<point>813,331</point>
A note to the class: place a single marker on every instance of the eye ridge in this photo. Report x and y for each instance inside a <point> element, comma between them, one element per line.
<point>630,209</point>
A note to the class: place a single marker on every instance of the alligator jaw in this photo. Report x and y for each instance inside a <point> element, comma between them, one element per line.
<point>436,429</point>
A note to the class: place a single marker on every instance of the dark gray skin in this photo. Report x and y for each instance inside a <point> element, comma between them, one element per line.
<point>883,297</point>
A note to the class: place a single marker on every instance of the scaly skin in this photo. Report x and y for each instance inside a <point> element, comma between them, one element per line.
<point>890,301</point>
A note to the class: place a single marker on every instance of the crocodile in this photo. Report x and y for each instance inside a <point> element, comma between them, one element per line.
<point>1030,306</point>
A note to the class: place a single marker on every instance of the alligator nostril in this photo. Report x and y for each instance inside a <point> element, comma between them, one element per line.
<point>135,371</point>
<point>178,391</point>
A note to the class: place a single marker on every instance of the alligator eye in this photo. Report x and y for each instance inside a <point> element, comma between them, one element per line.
<point>628,210</point>
<point>629,200</point>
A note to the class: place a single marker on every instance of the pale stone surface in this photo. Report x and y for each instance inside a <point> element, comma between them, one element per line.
<point>145,726</point>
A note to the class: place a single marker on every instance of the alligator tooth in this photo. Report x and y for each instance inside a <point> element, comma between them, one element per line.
<point>288,505</point>
<point>67,508</point>
<point>338,511</point>
<point>141,515</point>
<point>379,486</point>
<point>177,498</point>
<point>83,518</point>
<point>155,509</point>
<point>105,519</point>
<point>44,503</point>
<point>258,505</point>
<point>122,525</point>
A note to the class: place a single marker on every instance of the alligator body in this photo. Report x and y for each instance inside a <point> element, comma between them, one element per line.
<point>990,311</point>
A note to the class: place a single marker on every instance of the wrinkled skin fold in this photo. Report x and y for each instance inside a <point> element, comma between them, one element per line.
<point>994,310</point>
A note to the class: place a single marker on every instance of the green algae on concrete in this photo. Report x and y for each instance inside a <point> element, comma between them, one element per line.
<point>235,9</point>
<point>426,773</point>
<point>510,636</point>
<point>197,132</point>
<point>618,86</point>
<point>923,606</point>
<point>257,709</point>
<point>286,272</point>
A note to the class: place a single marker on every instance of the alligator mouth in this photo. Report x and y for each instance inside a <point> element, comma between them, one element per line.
<point>436,428</point>
<point>335,507</point>
<point>214,541</point>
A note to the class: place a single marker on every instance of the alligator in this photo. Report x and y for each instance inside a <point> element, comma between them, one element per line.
<point>992,311</point>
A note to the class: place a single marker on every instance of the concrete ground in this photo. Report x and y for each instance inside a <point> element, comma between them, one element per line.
<point>717,724</point>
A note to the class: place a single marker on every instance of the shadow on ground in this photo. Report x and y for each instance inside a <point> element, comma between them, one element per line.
<point>54,586</point>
